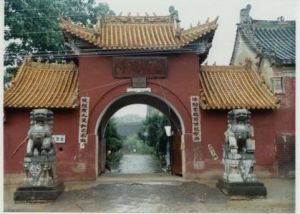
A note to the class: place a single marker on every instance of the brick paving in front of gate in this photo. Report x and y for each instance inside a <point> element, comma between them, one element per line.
<point>157,193</point>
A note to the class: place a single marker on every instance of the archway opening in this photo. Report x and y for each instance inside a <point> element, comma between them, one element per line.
<point>142,141</point>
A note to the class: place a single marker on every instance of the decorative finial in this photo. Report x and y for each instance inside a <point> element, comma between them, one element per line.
<point>61,17</point>
<point>244,14</point>
<point>111,13</point>
<point>174,13</point>
<point>97,29</point>
<point>248,63</point>
<point>29,57</point>
<point>216,19</point>
<point>280,19</point>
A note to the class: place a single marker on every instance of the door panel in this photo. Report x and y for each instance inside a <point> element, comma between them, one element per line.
<point>101,156</point>
<point>286,154</point>
<point>176,159</point>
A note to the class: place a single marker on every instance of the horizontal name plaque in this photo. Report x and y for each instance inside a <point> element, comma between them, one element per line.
<point>138,90</point>
<point>149,67</point>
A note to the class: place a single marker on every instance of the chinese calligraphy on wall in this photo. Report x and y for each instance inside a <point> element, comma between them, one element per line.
<point>195,111</point>
<point>83,121</point>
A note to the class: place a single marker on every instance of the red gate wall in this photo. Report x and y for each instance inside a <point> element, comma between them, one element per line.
<point>97,82</point>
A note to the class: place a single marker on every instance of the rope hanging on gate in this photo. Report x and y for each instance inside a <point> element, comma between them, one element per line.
<point>19,146</point>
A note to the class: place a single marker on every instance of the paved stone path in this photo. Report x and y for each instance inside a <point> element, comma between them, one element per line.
<point>138,164</point>
<point>158,194</point>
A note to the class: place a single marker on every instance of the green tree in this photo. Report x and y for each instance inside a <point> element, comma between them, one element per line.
<point>154,126</point>
<point>113,145</point>
<point>135,145</point>
<point>31,26</point>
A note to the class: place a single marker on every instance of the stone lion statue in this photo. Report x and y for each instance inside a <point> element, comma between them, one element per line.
<point>40,133</point>
<point>239,147</point>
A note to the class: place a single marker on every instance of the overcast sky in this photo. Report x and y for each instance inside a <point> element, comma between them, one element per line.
<point>192,11</point>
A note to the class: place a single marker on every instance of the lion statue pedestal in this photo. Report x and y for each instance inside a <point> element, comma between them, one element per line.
<point>41,183</point>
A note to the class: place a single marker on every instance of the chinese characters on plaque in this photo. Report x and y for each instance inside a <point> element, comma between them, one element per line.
<point>212,152</point>
<point>148,67</point>
<point>195,111</point>
<point>83,121</point>
<point>59,138</point>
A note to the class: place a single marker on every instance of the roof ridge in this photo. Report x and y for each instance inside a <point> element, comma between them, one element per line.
<point>49,65</point>
<point>274,21</point>
<point>137,19</point>
<point>238,67</point>
<point>209,24</point>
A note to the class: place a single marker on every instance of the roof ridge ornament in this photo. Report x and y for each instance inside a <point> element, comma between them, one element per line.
<point>97,27</point>
<point>174,13</point>
<point>248,63</point>
<point>280,19</point>
<point>245,18</point>
<point>175,18</point>
<point>28,58</point>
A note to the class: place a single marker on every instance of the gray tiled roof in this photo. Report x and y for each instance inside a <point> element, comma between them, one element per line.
<point>272,39</point>
<point>275,39</point>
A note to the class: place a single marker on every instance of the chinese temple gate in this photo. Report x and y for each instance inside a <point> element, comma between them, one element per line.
<point>127,60</point>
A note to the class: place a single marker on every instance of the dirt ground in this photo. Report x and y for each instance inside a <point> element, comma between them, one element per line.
<point>157,193</point>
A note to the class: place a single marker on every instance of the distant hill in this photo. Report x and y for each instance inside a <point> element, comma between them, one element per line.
<point>128,124</point>
<point>128,118</point>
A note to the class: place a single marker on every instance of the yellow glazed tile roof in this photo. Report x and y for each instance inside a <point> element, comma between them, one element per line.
<point>43,85</point>
<point>232,87</point>
<point>138,32</point>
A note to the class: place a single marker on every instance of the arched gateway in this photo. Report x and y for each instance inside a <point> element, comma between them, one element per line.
<point>160,103</point>
<point>134,59</point>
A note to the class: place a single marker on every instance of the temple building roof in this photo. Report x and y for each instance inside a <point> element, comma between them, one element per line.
<point>232,87</point>
<point>43,85</point>
<point>140,33</point>
<point>273,39</point>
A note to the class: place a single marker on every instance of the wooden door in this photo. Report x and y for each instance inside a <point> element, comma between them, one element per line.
<point>286,154</point>
<point>176,159</point>
<point>101,156</point>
